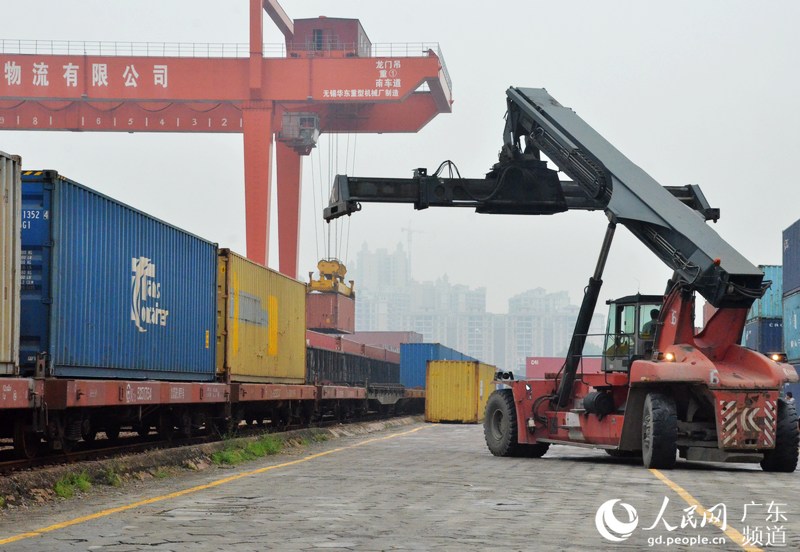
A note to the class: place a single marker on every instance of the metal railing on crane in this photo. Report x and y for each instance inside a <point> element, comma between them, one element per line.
<point>219,49</point>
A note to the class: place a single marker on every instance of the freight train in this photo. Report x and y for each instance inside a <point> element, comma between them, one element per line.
<point>113,320</point>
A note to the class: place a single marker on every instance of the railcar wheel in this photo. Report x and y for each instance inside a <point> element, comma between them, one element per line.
<point>112,432</point>
<point>27,442</point>
<point>185,424</point>
<point>659,431</point>
<point>166,426</point>
<point>88,433</point>
<point>783,458</point>
<point>500,423</point>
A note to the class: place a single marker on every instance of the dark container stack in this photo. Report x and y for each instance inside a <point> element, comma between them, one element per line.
<point>763,331</point>
<point>334,367</point>
<point>791,293</point>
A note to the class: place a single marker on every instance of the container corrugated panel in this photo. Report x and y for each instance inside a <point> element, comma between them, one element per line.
<point>261,324</point>
<point>323,366</point>
<point>457,391</point>
<point>771,304</point>
<point>323,341</point>
<point>791,327</point>
<point>388,340</point>
<point>110,292</point>
<point>351,347</point>
<point>536,367</point>
<point>373,351</point>
<point>764,335</point>
<point>330,312</point>
<point>793,387</point>
<point>10,213</point>
<point>791,259</point>
<point>414,358</point>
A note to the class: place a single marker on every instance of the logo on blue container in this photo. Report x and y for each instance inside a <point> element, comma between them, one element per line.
<point>146,292</point>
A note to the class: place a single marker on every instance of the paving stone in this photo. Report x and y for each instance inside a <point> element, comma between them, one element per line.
<point>435,489</point>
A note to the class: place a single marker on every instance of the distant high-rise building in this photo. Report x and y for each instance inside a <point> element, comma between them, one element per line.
<point>388,299</point>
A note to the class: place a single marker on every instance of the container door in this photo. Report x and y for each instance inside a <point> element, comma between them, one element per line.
<point>222,309</point>
<point>266,334</point>
<point>9,262</point>
<point>35,294</point>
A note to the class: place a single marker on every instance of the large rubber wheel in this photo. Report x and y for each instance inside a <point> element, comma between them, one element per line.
<point>616,453</point>
<point>500,423</point>
<point>783,458</point>
<point>659,431</point>
<point>536,450</point>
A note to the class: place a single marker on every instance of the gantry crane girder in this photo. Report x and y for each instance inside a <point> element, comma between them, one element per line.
<point>349,90</point>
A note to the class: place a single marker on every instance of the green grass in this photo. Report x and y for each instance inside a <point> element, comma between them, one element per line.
<point>236,454</point>
<point>320,437</point>
<point>67,485</point>
<point>111,477</point>
<point>161,473</point>
<point>2,502</point>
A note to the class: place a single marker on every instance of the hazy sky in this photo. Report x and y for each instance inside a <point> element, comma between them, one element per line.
<point>695,91</point>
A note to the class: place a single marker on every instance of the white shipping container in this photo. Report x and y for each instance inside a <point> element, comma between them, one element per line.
<point>10,204</point>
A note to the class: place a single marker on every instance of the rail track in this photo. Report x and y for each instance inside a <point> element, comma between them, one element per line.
<point>131,443</point>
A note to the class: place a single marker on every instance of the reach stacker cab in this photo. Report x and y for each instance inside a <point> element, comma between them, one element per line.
<point>632,322</point>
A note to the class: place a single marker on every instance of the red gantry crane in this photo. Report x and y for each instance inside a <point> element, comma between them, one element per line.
<point>327,77</point>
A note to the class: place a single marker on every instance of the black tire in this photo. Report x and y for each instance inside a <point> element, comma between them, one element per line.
<point>783,458</point>
<point>500,423</point>
<point>616,453</point>
<point>659,432</point>
<point>532,451</point>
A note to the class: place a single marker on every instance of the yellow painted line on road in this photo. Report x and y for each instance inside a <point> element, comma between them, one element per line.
<point>732,533</point>
<point>217,483</point>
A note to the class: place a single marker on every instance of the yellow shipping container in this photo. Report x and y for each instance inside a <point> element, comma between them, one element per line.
<point>261,323</point>
<point>457,390</point>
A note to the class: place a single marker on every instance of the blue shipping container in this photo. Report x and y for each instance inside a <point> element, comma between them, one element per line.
<point>771,304</point>
<point>791,259</point>
<point>791,327</point>
<point>414,359</point>
<point>793,387</point>
<point>110,292</point>
<point>764,335</point>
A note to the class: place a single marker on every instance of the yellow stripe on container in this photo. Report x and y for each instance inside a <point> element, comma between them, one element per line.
<point>262,323</point>
<point>457,390</point>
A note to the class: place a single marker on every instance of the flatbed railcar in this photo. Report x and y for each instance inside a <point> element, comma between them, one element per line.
<point>127,323</point>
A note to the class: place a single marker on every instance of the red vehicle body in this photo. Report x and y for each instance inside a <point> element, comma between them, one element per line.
<point>664,389</point>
